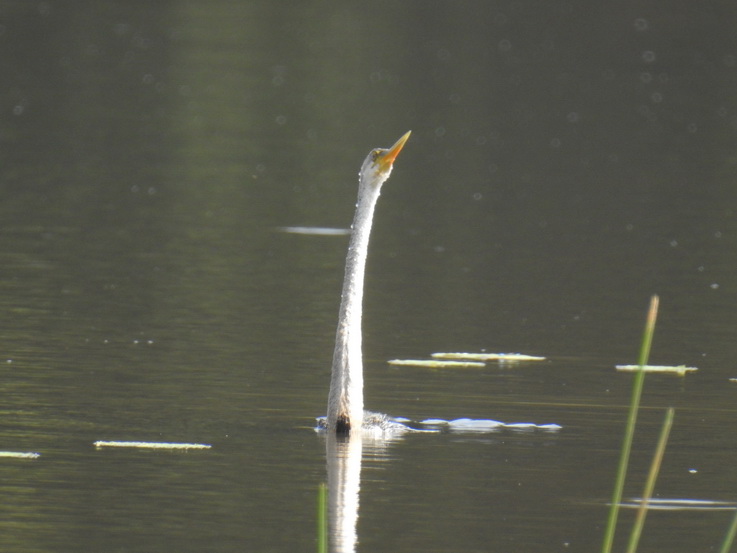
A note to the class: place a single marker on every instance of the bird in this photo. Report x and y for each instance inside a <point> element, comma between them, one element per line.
<point>345,399</point>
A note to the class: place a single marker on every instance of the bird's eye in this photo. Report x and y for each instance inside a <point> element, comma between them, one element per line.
<point>375,154</point>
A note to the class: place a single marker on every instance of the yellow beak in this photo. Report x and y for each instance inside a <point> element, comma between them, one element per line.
<point>387,159</point>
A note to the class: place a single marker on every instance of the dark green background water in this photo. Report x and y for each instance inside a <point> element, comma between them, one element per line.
<point>567,161</point>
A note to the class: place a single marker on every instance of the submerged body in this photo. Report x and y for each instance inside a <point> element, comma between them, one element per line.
<point>345,400</point>
<point>374,424</point>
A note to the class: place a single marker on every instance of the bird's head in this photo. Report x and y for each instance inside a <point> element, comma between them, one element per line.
<point>378,164</point>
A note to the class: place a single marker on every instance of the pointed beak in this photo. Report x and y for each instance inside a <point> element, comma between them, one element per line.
<point>391,154</point>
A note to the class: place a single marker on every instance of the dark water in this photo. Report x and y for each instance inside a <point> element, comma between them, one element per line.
<point>567,161</point>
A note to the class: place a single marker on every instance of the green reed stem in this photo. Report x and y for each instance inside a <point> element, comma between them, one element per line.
<point>729,538</point>
<point>650,483</point>
<point>322,518</point>
<point>647,340</point>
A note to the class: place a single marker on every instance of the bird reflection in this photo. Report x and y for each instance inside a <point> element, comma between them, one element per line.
<point>344,454</point>
<point>344,483</point>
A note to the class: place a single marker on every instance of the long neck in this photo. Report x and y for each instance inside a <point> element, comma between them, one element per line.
<point>345,401</point>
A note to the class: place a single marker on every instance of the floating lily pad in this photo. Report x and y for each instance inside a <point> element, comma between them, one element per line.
<point>318,231</point>
<point>510,357</point>
<point>435,364</point>
<point>20,455</point>
<point>151,445</point>
<point>680,370</point>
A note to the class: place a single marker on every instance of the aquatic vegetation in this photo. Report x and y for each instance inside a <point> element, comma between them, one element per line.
<point>317,231</point>
<point>679,370</point>
<point>502,357</point>
<point>435,364</point>
<point>151,445</point>
<point>647,340</point>
<point>20,454</point>
<point>646,502</point>
<point>455,360</point>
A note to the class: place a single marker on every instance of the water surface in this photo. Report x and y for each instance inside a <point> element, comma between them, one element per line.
<point>566,162</point>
